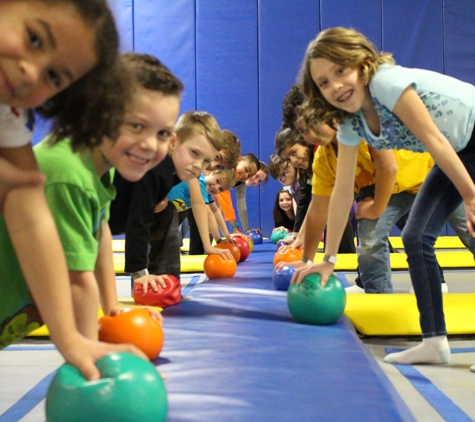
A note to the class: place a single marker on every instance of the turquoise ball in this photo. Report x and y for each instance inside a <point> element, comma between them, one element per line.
<point>311,303</point>
<point>130,389</point>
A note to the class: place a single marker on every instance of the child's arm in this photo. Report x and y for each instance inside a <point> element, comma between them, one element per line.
<point>341,201</point>
<point>385,177</point>
<point>413,113</point>
<point>316,220</point>
<point>200,212</point>
<point>105,276</point>
<point>39,251</point>
<point>213,225</point>
<point>242,206</point>
<point>219,220</point>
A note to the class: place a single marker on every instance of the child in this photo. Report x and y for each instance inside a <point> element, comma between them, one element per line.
<point>284,215</point>
<point>346,79</point>
<point>185,196</point>
<point>228,156</point>
<point>46,47</point>
<point>196,141</point>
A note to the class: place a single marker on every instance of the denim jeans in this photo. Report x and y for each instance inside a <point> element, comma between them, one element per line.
<point>435,203</point>
<point>373,250</point>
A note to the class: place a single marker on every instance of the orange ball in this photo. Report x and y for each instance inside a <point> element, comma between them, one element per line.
<point>217,267</point>
<point>288,256</point>
<point>232,247</point>
<point>135,326</point>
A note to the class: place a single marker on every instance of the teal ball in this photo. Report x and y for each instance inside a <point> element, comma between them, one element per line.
<point>278,235</point>
<point>130,389</point>
<point>311,303</point>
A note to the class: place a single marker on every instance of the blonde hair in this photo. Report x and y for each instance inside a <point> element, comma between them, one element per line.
<point>232,149</point>
<point>194,123</point>
<point>228,177</point>
<point>345,47</point>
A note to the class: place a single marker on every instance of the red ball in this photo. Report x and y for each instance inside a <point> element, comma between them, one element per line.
<point>165,296</point>
<point>243,246</point>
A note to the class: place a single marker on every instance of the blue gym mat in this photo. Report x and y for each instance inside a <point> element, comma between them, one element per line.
<point>233,353</point>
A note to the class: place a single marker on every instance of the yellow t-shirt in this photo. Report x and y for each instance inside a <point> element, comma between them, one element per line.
<point>412,170</point>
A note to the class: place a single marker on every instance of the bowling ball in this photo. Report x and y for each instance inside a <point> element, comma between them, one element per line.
<point>278,235</point>
<point>163,297</point>
<point>288,256</point>
<point>216,266</point>
<point>130,389</point>
<point>311,303</point>
<point>243,246</point>
<point>282,277</point>
<point>135,326</point>
<point>232,247</point>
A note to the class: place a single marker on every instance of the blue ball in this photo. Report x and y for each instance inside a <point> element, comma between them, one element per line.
<point>282,277</point>
<point>281,243</point>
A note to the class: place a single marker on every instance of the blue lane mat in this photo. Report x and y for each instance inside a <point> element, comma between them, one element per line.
<point>234,354</point>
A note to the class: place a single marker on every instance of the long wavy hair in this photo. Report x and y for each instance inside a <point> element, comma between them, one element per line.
<point>343,46</point>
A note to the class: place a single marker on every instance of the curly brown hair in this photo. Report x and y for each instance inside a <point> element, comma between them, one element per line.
<point>345,47</point>
<point>292,100</point>
<point>93,106</point>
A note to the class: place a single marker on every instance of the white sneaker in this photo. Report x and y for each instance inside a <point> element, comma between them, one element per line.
<point>354,290</point>
<point>443,287</point>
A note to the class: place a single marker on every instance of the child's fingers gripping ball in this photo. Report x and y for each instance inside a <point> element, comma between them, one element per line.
<point>278,235</point>
<point>232,247</point>
<point>137,327</point>
<point>288,255</point>
<point>163,297</point>
<point>311,303</point>
<point>130,389</point>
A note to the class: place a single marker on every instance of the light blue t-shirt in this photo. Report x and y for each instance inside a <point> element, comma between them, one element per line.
<point>180,194</point>
<point>450,103</point>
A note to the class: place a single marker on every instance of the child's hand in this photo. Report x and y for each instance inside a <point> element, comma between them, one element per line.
<point>151,279</point>
<point>296,264</point>
<point>11,177</point>
<point>118,309</point>
<point>325,269</point>
<point>365,209</point>
<point>225,253</point>
<point>83,353</point>
<point>279,228</point>
<point>161,205</point>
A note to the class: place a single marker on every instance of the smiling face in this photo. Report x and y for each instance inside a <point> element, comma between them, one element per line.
<point>257,179</point>
<point>143,137</point>
<point>286,174</point>
<point>44,48</point>
<point>341,86</point>
<point>285,201</point>
<point>244,170</point>
<point>216,183</point>
<point>192,156</point>
<point>297,155</point>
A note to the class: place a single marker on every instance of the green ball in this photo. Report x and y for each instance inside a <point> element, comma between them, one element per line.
<point>311,303</point>
<point>277,235</point>
<point>130,389</point>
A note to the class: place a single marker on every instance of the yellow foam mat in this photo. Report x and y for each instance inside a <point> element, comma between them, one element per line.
<point>446,259</point>
<point>397,314</point>
<point>189,263</point>
<point>44,332</point>
<point>118,245</point>
<point>442,242</point>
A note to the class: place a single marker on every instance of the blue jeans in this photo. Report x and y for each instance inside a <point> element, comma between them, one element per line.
<point>373,250</point>
<point>435,203</point>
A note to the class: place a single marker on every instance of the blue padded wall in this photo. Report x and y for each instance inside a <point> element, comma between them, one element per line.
<point>123,12</point>
<point>227,74</point>
<point>415,39</point>
<point>166,30</point>
<point>284,33</point>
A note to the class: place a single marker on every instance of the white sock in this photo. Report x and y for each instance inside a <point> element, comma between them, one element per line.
<point>354,289</point>
<point>433,350</point>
